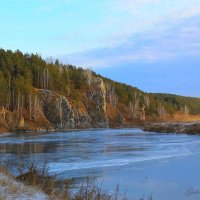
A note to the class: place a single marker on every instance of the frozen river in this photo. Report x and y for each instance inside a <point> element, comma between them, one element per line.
<point>164,165</point>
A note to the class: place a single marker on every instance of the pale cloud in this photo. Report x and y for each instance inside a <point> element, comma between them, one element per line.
<point>131,17</point>
<point>148,54</point>
<point>114,22</point>
<point>145,56</point>
<point>129,5</point>
<point>188,12</point>
<point>181,39</point>
<point>140,31</point>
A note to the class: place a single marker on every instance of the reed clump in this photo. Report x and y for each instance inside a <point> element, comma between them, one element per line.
<point>38,177</point>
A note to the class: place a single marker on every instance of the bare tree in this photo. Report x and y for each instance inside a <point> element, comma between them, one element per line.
<point>147,101</point>
<point>30,106</point>
<point>35,107</point>
<point>9,92</point>
<point>88,74</point>
<point>22,105</point>
<point>162,111</point>
<point>186,110</point>
<point>18,104</point>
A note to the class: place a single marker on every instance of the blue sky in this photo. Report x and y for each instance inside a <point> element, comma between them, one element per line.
<point>150,44</point>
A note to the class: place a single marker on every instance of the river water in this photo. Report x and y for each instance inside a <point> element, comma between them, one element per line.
<point>142,163</point>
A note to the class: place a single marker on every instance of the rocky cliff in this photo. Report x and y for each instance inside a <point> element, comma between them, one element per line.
<point>62,114</point>
<point>97,107</point>
<point>51,110</point>
<point>35,94</point>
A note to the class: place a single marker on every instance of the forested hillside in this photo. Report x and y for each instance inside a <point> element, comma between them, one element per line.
<point>35,93</point>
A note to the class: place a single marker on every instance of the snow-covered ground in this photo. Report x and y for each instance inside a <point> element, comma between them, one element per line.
<point>13,190</point>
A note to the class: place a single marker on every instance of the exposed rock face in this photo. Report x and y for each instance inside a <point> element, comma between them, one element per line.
<point>56,109</point>
<point>142,113</point>
<point>50,110</point>
<point>96,104</point>
<point>60,113</point>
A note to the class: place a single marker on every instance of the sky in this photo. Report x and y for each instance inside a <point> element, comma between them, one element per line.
<point>151,44</point>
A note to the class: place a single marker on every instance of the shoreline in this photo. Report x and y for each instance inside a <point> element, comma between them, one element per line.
<point>12,189</point>
<point>190,128</point>
<point>60,130</point>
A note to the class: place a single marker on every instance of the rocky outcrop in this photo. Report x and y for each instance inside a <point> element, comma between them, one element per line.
<point>95,107</point>
<point>60,113</point>
<point>95,111</point>
<point>96,103</point>
<point>50,110</point>
<point>63,115</point>
<point>188,128</point>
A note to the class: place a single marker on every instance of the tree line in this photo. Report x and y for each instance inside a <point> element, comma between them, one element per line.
<point>21,73</point>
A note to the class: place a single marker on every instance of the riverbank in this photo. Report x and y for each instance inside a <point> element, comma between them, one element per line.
<point>4,132</point>
<point>12,189</point>
<point>187,128</point>
<point>36,184</point>
<point>142,163</point>
<point>159,127</point>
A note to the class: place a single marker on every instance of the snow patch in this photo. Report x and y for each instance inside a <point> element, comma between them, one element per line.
<point>11,189</point>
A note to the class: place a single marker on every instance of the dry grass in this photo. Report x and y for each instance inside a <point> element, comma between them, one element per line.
<point>11,189</point>
<point>186,118</point>
<point>38,178</point>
